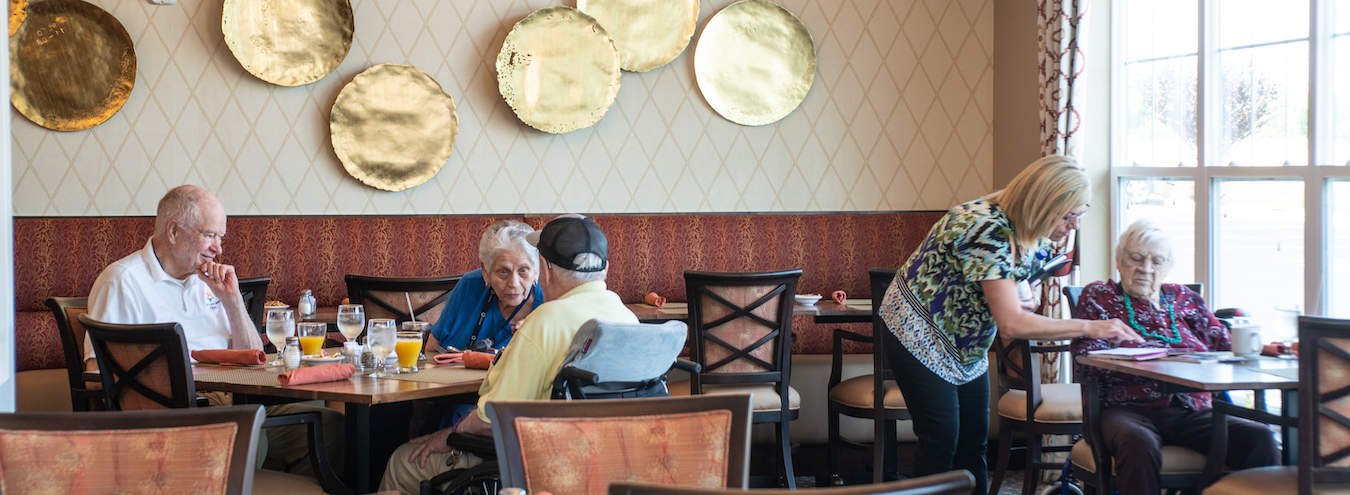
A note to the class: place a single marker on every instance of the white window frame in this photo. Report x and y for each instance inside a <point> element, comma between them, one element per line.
<point>1316,177</point>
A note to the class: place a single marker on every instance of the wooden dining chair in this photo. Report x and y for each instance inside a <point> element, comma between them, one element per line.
<point>948,483</point>
<point>1033,409</point>
<point>254,293</point>
<point>146,367</point>
<point>1323,420</point>
<point>384,297</point>
<point>741,333</point>
<point>874,396</point>
<point>84,395</point>
<point>579,447</point>
<point>207,450</point>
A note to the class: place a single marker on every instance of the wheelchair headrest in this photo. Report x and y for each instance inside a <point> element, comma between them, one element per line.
<point>626,352</point>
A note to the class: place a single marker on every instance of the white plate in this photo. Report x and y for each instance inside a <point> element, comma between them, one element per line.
<point>321,359</point>
<point>807,300</point>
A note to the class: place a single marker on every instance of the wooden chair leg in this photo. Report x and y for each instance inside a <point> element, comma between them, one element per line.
<point>832,450</point>
<point>1032,475</point>
<point>785,451</point>
<point>1004,449</point>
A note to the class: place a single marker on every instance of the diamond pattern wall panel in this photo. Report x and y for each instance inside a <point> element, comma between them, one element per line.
<point>899,118</point>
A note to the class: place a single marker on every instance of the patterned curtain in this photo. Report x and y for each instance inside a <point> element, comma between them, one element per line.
<point>1061,62</point>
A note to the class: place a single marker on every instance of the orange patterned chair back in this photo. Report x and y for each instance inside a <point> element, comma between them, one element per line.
<point>579,447</point>
<point>142,366</point>
<point>386,297</point>
<point>206,450</point>
<point>1324,408</point>
<point>741,325</point>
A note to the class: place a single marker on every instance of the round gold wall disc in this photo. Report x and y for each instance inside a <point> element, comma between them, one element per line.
<point>288,42</point>
<point>393,127</point>
<point>559,70</point>
<point>754,62</point>
<point>648,33</point>
<point>18,9</point>
<point>71,65</point>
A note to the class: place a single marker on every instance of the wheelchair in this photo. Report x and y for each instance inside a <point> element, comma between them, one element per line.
<point>604,361</point>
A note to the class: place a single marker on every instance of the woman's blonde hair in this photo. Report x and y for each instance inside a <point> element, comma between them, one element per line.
<point>1039,196</point>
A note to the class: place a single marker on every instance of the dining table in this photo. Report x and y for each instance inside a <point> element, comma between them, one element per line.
<point>1257,374</point>
<point>368,403</point>
<point>822,311</point>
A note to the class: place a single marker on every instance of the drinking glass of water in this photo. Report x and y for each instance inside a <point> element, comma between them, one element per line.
<point>382,340</point>
<point>280,324</point>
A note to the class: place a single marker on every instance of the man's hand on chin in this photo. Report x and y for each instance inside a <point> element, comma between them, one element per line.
<point>220,278</point>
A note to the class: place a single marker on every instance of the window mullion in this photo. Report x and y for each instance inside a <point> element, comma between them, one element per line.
<point>1209,119</point>
<point>1319,81</point>
<point>1315,245</point>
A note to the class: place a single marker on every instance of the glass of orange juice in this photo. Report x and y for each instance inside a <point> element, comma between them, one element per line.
<point>408,346</point>
<point>312,334</point>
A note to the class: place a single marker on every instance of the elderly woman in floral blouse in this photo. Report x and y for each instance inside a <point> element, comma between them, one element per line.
<point>1137,417</point>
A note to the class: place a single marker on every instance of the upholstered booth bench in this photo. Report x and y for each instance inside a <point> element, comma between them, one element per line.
<point>61,256</point>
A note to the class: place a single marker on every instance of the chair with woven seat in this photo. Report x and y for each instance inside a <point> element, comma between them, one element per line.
<point>948,483</point>
<point>384,297</point>
<point>1323,420</point>
<point>741,334</point>
<point>874,396</point>
<point>207,450</point>
<point>579,447</point>
<point>146,367</point>
<point>84,395</point>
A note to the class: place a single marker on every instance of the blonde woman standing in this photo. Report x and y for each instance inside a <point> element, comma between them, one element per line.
<point>960,289</point>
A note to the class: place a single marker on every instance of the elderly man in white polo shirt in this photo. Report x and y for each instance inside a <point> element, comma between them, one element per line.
<point>175,277</point>
<point>157,283</point>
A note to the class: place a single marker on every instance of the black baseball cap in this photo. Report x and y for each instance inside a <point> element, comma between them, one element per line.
<point>563,238</point>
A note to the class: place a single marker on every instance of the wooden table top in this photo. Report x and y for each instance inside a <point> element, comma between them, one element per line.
<point>357,390</point>
<point>852,309</point>
<point>1255,374</point>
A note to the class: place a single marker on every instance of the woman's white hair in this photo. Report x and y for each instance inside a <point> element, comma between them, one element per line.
<point>1142,232</point>
<point>506,235</point>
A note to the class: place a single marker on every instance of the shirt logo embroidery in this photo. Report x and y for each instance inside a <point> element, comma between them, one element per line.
<point>211,299</point>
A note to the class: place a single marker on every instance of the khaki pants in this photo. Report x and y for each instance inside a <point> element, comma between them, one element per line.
<point>405,476</point>
<point>287,448</point>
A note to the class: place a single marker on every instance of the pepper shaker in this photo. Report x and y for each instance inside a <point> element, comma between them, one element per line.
<point>307,306</point>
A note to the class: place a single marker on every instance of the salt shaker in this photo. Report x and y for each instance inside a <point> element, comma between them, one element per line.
<point>291,355</point>
<point>307,306</point>
<point>351,351</point>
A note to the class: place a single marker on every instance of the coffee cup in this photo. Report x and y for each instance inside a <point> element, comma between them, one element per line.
<point>1246,340</point>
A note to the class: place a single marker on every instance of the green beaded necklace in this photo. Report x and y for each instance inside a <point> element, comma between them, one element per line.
<point>1171,317</point>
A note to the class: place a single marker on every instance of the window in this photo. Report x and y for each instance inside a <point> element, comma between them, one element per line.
<point>1231,130</point>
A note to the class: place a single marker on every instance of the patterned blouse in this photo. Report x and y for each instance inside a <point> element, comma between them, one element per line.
<point>1198,328</point>
<point>936,306</point>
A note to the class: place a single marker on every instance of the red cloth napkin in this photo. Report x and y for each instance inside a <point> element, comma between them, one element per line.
<point>317,374</point>
<point>230,356</point>
<point>470,359</point>
<point>839,296</point>
<point>1277,348</point>
<point>654,299</point>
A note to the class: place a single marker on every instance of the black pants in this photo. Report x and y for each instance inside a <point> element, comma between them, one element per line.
<point>950,421</point>
<point>1135,438</point>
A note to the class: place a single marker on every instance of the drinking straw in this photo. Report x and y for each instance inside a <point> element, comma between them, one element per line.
<point>410,309</point>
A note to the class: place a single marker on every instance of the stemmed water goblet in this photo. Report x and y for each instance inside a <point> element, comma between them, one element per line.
<point>280,324</point>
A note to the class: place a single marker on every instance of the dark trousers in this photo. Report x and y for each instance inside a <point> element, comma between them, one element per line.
<point>1135,438</point>
<point>950,421</point>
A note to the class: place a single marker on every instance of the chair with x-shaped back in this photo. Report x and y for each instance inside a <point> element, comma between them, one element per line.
<point>384,297</point>
<point>741,328</point>
<point>142,366</point>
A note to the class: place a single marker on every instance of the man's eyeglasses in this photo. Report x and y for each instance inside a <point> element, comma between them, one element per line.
<point>208,235</point>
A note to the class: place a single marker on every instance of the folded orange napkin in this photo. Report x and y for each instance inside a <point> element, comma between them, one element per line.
<point>839,296</point>
<point>1277,348</point>
<point>317,374</point>
<point>654,299</point>
<point>470,359</point>
<point>230,356</point>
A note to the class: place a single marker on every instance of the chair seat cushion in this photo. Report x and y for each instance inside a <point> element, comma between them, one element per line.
<point>42,391</point>
<point>1060,403</point>
<point>857,392</point>
<point>762,396</point>
<point>267,481</point>
<point>1175,460</point>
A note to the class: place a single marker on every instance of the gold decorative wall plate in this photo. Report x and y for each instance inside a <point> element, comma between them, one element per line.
<point>648,33</point>
<point>754,62</point>
<point>18,9</point>
<point>71,65</point>
<point>559,70</point>
<point>288,42</point>
<point>393,127</point>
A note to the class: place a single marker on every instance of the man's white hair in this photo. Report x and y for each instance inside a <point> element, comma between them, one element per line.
<point>181,205</point>
<point>583,260</point>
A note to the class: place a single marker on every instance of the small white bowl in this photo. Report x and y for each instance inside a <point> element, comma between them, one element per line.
<point>322,359</point>
<point>806,299</point>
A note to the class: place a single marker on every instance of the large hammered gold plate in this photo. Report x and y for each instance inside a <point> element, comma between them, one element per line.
<point>288,42</point>
<point>71,65</point>
<point>754,62</point>
<point>648,33</point>
<point>393,127</point>
<point>18,9</point>
<point>559,70</point>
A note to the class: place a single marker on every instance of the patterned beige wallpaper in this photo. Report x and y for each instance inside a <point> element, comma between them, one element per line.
<point>899,118</point>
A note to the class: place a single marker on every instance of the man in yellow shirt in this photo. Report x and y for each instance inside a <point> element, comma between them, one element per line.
<point>575,261</point>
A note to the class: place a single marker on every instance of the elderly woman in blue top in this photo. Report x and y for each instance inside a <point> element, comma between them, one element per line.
<point>965,284</point>
<point>488,303</point>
